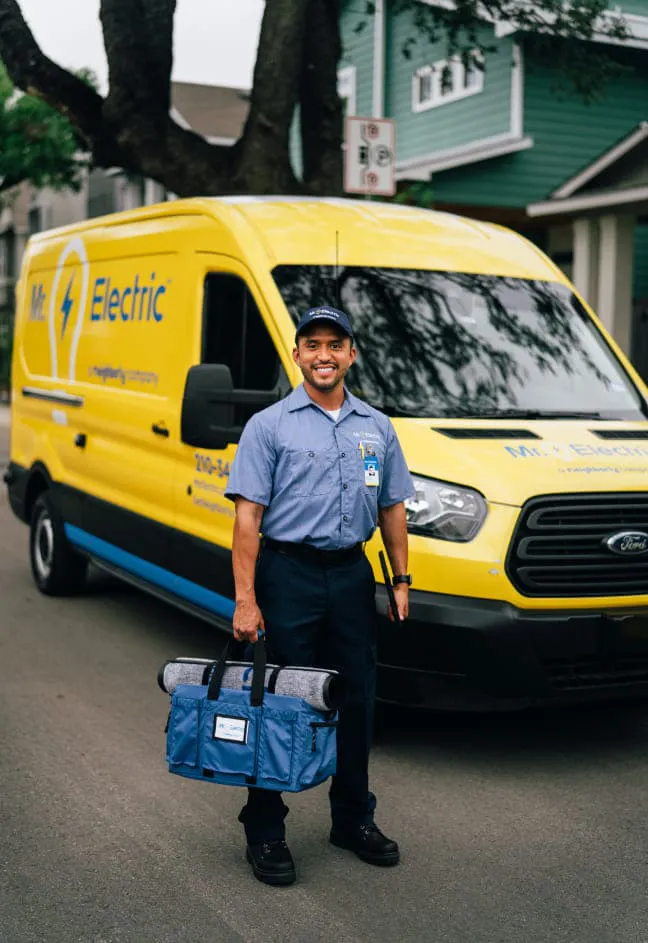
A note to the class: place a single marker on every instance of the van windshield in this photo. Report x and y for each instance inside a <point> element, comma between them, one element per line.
<point>435,344</point>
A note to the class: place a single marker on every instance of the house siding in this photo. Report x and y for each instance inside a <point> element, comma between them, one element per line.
<point>457,123</point>
<point>357,50</point>
<point>568,135</point>
<point>637,7</point>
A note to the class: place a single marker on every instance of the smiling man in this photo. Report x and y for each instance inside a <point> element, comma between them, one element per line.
<point>315,474</point>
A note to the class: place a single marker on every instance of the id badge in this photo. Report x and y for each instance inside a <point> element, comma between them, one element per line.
<point>371,471</point>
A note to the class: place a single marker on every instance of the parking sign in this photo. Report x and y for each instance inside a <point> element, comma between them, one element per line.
<point>369,156</point>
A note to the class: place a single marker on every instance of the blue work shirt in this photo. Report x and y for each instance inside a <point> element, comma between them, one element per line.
<point>310,472</point>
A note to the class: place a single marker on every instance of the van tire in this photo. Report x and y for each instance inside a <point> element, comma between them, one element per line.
<point>57,569</point>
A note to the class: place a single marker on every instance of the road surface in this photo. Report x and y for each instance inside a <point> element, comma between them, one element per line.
<point>513,829</point>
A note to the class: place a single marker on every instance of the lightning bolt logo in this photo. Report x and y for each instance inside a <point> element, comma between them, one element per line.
<point>66,307</point>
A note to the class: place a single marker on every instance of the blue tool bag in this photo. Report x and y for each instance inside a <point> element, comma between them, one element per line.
<point>249,737</point>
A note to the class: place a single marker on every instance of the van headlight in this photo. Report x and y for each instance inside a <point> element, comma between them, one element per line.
<point>445,511</point>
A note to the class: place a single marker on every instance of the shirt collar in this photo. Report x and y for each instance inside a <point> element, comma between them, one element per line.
<point>299,399</point>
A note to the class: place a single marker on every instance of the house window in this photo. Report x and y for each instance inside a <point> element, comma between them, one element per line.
<point>445,81</point>
<point>423,79</point>
<point>346,86</point>
<point>34,220</point>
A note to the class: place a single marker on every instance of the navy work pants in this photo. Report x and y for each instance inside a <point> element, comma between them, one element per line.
<point>322,615</point>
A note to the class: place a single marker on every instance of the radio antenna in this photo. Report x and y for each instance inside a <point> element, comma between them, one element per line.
<point>337,268</point>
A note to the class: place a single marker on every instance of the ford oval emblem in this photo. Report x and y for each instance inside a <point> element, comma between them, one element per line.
<point>628,543</point>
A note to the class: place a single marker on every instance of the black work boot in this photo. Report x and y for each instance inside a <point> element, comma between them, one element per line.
<point>272,862</point>
<point>369,843</point>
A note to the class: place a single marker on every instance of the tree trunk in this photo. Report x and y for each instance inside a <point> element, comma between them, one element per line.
<point>321,108</point>
<point>262,156</point>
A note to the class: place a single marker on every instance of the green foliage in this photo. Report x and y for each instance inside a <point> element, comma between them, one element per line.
<point>37,143</point>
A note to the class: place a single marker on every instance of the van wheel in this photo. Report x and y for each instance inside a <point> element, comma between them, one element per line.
<point>57,569</point>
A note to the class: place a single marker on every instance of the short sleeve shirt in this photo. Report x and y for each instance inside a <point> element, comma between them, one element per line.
<point>321,482</point>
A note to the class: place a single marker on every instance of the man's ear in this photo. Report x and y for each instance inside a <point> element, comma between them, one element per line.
<point>295,354</point>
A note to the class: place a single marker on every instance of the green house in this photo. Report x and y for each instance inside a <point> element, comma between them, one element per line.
<point>510,145</point>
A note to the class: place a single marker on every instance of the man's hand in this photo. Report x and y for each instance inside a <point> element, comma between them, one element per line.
<point>401,594</point>
<point>247,620</point>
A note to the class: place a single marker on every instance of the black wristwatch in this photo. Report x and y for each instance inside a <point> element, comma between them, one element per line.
<point>402,578</point>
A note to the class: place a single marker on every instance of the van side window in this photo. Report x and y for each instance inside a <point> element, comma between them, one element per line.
<point>234,334</point>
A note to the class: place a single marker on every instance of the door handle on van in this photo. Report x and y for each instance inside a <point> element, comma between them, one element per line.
<point>160,430</point>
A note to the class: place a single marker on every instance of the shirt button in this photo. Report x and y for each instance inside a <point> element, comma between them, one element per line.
<point>344,487</point>
<point>343,455</point>
<point>345,518</point>
<point>311,454</point>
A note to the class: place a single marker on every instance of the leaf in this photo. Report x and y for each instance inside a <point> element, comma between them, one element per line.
<point>37,143</point>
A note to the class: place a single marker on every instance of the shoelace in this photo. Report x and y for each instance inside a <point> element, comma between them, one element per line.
<point>371,829</point>
<point>268,846</point>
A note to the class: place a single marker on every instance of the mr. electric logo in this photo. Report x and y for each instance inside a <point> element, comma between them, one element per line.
<point>138,298</point>
<point>66,308</point>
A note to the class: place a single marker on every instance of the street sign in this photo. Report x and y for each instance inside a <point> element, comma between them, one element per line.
<point>369,156</point>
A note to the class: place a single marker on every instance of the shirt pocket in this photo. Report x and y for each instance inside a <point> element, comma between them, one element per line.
<point>312,472</point>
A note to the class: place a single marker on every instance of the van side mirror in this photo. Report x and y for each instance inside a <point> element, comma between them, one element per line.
<point>208,406</point>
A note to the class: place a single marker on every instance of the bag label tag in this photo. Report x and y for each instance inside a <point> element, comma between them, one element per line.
<point>234,729</point>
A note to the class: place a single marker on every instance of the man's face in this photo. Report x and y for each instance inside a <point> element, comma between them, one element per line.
<point>324,355</point>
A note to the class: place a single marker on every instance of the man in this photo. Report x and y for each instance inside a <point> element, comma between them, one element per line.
<point>315,474</point>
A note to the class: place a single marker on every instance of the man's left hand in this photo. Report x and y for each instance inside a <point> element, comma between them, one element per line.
<point>401,594</point>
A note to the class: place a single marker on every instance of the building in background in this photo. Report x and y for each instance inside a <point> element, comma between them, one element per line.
<point>500,144</point>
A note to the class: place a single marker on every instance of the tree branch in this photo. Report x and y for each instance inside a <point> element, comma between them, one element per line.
<point>138,38</point>
<point>30,70</point>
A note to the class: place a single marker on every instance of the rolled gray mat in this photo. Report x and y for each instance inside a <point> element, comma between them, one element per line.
<point>320,688</point>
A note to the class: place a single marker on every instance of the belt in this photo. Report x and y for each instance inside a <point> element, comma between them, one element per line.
<point>313,554</point>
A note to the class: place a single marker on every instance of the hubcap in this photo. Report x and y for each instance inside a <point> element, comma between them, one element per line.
<point>44,546</point>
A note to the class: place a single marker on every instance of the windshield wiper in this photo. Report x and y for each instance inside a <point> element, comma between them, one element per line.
<point>512,413</point>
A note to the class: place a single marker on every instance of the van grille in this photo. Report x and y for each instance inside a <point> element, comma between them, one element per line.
<point>558,547</point>
<point>591,673</point>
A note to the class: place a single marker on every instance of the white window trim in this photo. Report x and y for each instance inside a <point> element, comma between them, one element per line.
<point>348,74</point>
<point>439,96</point>
<point>511,141</point>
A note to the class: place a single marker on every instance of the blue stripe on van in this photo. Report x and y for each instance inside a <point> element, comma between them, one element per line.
<point>156,575</point>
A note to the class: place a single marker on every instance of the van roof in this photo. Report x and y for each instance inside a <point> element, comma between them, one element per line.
<point>352,232</point>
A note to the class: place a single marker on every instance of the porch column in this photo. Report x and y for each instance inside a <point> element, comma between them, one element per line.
<point>616,262</point>
<point>585,266</point>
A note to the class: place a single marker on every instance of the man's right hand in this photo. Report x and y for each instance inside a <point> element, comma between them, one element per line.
<point>247,620</point>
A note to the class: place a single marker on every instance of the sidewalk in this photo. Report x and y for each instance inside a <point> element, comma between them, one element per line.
<point>4,414</point>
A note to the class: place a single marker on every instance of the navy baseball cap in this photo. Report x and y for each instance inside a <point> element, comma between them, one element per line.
<point>323,314</point>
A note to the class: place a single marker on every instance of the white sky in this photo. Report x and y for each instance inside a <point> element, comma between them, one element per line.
<point>214,41</point>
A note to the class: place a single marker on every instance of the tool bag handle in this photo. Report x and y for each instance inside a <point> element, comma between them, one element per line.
<point>258,672</point>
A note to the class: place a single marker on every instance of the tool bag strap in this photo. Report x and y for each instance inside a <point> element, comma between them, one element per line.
<point>258,672</point>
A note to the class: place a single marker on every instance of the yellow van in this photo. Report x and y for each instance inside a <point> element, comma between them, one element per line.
<point>144,340</point>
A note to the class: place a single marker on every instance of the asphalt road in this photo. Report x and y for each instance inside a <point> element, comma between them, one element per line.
<point>513,829</point>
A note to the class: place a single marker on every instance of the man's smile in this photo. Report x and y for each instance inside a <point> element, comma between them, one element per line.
<point>325,370</point>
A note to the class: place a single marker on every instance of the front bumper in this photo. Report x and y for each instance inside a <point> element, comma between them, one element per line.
<point>461,653</point>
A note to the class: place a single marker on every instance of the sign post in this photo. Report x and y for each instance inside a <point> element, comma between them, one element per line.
<point>369,156</point>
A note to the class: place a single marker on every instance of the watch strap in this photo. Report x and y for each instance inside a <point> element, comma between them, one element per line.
<point>402,578</point>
